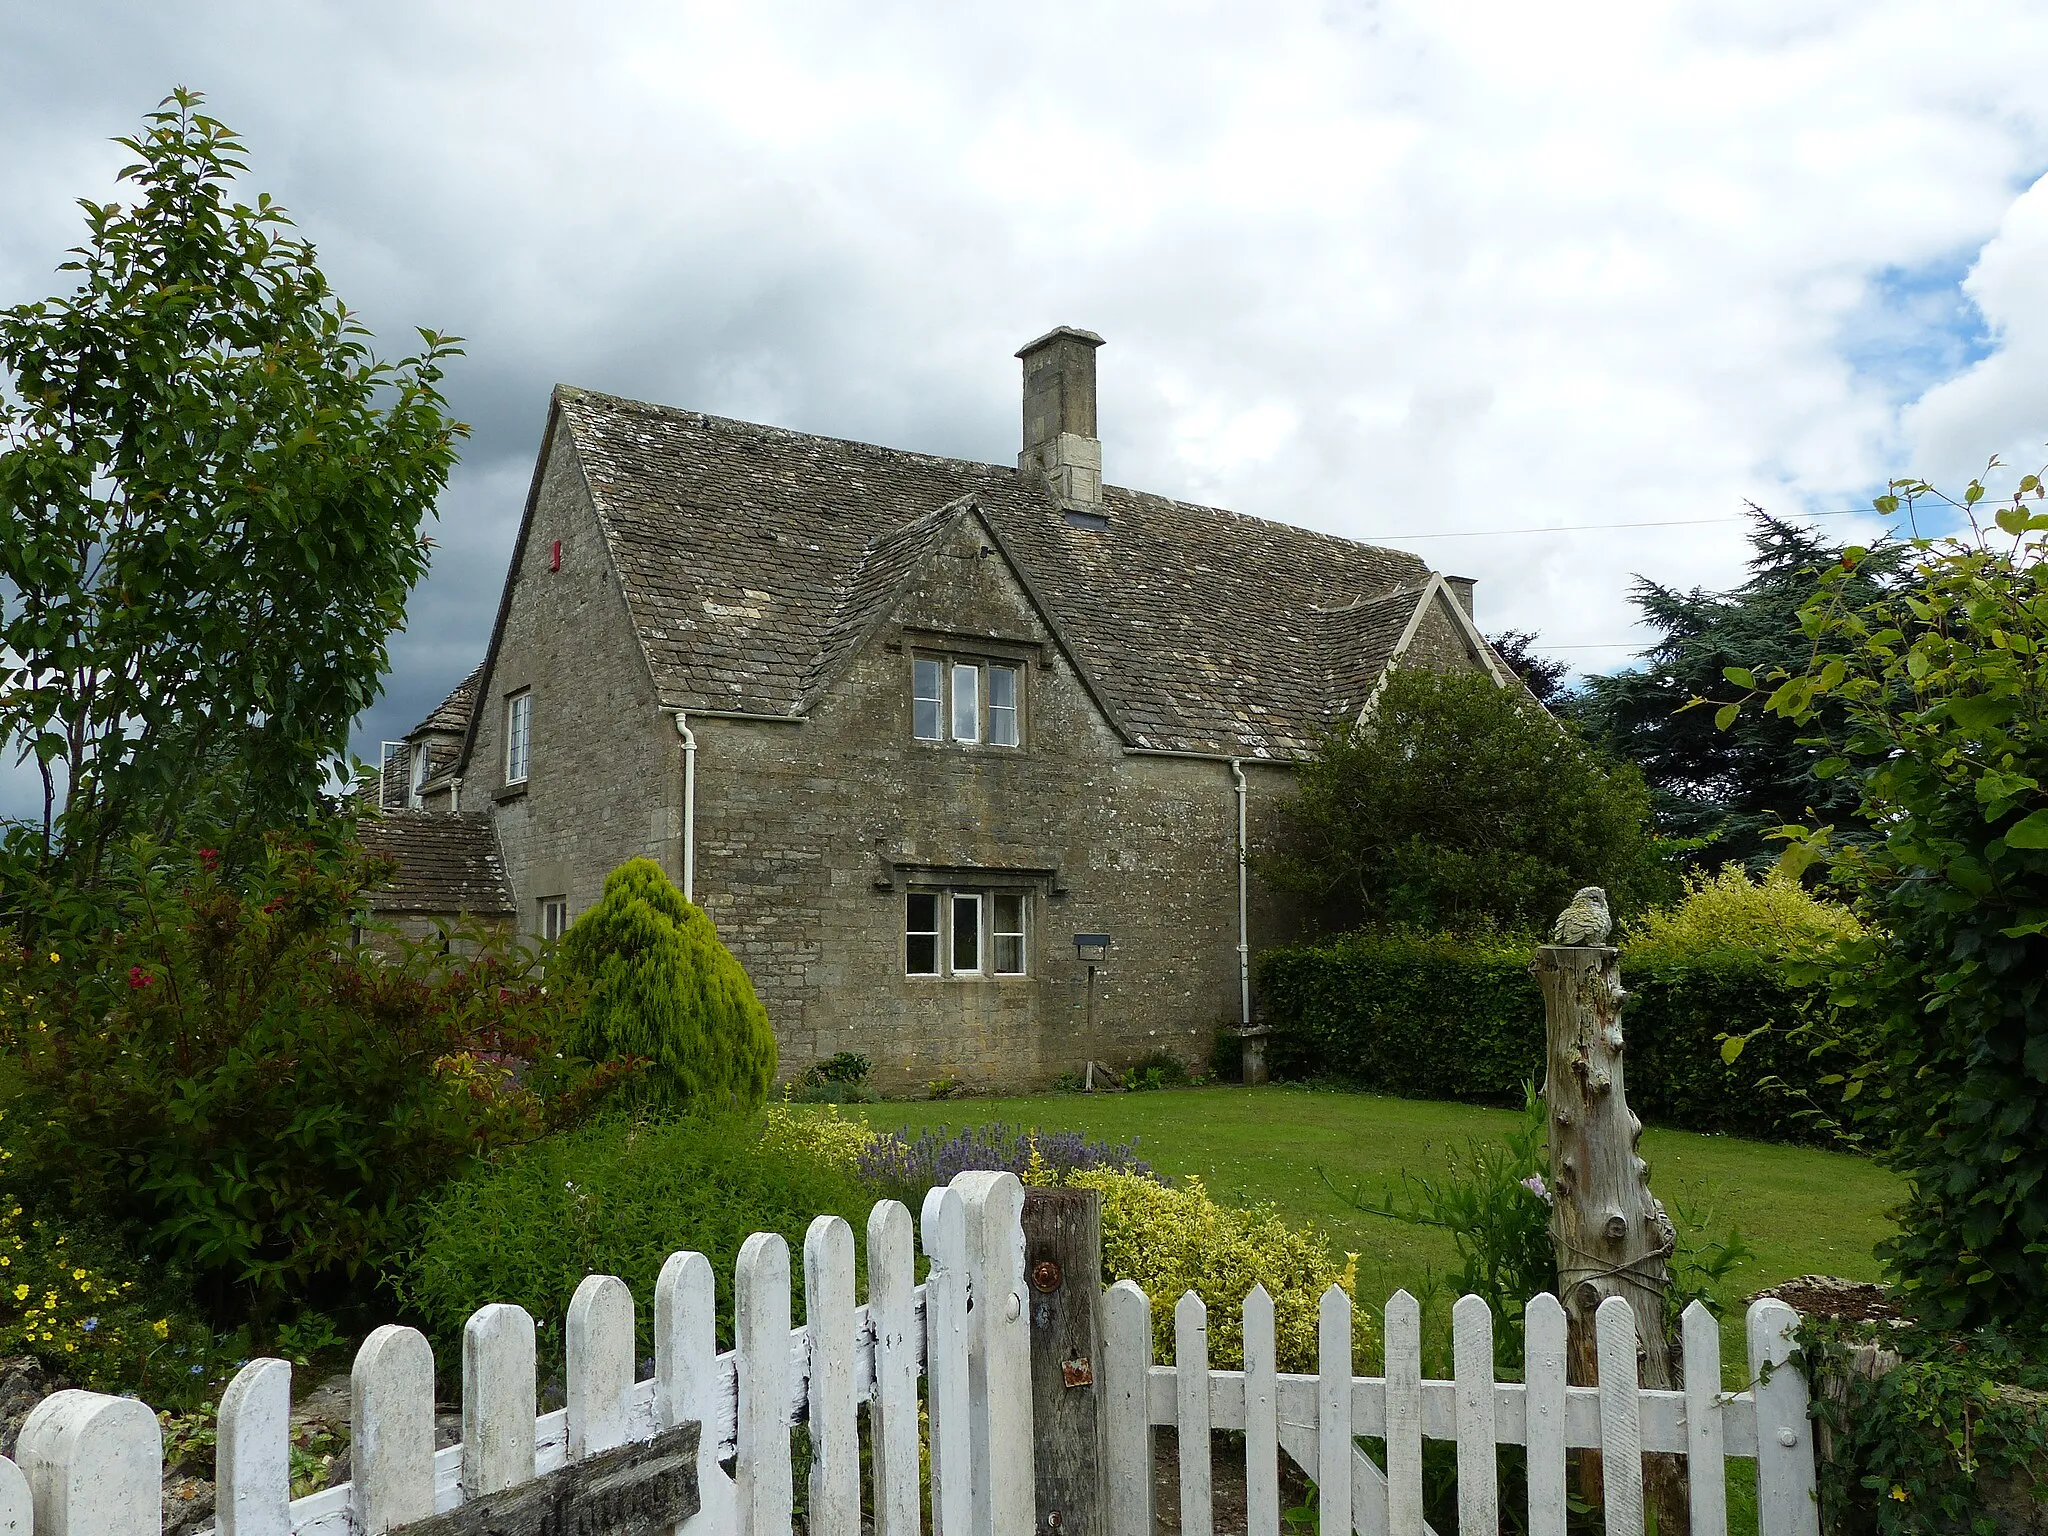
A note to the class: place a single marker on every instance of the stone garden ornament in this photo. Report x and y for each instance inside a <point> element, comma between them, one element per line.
<point>1585,921</point>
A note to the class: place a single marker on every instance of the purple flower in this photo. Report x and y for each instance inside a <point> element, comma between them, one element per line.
<point>88,1325</point>
<point>1534,1184</point>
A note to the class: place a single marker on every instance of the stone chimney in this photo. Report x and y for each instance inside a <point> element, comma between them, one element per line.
<point>1059,416</point>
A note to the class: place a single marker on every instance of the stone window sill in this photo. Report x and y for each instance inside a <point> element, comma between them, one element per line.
<point>510,793</point>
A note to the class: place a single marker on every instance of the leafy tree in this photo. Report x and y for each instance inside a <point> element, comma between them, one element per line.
<point>1724,791</point>
<point>1942,680</point>
<point>210,505</point>
<point>664,989</point>
<point>1541,675</point>
<point>1457,803</point>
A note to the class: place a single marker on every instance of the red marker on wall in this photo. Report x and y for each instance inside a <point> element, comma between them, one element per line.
<point>555,559</point>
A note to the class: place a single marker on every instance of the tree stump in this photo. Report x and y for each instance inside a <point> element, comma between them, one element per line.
<point>1610,1234</point>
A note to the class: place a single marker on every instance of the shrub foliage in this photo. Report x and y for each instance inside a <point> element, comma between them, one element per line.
<point>664,989</point>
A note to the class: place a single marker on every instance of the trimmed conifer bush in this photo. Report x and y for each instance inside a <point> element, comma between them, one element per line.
<point>663,988</point>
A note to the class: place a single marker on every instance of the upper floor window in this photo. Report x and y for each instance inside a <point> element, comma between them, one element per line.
<point>554,916</point>
<point>953,699</point>
<point>419,775</point>
<point>518,737</point>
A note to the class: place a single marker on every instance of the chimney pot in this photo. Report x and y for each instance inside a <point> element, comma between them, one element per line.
<point>1060,441</point>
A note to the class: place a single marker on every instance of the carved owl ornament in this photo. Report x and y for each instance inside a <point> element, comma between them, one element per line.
<point>1585,921</point>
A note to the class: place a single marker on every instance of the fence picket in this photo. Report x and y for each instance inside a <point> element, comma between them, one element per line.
<point>761,1343</point>
<point>1191,1419</point>
<point>1127,1408</point>
<point>15,1500</point>
<point>1472,1356</point>
<point>498,1399</point>
<point>1333,1408</point>
<point>945,1315</point>
<point>892,1418</point>
<point>94,1466</point>
<point>252,1474</point>
<point>1621,1426</point>
<point>598,1339</point>
<point>999,1334</point>
<point>1261,1417</point>
<point>686,1382</point>
<point>1785,1497</point>
<point>1706,1472</point>
<point>1404,1415</point>
<point>391,1431</point>
<point>835,1430</point>
<point>1543,1375</point>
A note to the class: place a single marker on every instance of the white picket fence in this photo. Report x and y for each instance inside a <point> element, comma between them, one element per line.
<point>1317,1419</point>
<point>91,1465</point>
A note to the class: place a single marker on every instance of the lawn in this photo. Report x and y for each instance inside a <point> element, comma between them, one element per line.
<point>1803,1211</point>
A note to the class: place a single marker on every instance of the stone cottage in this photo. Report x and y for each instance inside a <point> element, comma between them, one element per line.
<point>962,759</point>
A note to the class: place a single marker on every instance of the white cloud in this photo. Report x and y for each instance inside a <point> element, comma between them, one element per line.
<point>1384,268</point>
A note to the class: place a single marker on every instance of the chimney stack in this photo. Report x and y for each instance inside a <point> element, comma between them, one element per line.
<point>1059,416</point>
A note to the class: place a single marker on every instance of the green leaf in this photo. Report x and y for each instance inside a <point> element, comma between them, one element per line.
<point>2030,833</point>
<point>1741,677</point>
<point>1725,716</point>
<point>2013,519</point>
<point>1731,1048</point>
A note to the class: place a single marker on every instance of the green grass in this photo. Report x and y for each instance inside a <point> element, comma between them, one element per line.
<point>1804,1211</point>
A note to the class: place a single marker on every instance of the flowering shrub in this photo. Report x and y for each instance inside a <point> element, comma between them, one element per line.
<point>822,1135</point>
<point>1732,914</point>
<point>906,1169</point>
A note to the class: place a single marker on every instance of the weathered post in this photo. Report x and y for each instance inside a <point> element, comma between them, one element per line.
<point>1610,1233</point>
<point>1063,1262</point>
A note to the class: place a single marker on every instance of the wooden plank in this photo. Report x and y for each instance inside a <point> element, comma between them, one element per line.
<point>1127,1408</point>
<point>999,1376</point>
<point>93,1464</point>
<point>1404,1415</point>
<point>892,1414</point>
<point>687,1382</point>
<point>944,1232</point>
<point>643,1489</point>
<point>1543,1403</point>
<point>598,1341</point>
<point>391,1429</point>
<point>1261,1418</point>
<point>1333,1406</point>
<point>498,1399</point>
<point>252,1472</point>
<point>835,1430</point>
<point>761,1331</point>
<point>1191,1374</point>
<point>1063,1261</point>
<point>1706,1471</point>
<point>1472,1365</point>
<point>1785,1498</point>
<point>1621,1435</point>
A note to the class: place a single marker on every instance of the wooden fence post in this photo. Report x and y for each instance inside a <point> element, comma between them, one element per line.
<point>253,1452</point>
<point>1610,1234</point>
<point>94,1465</point>
<point>1063,1260</point>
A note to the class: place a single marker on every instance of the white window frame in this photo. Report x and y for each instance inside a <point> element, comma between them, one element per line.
<point>967,682</point>
<point>416,778</point>
<point>554,917</point>
<point>518,736</point>
<point>970,672</point>
<point>997,933</point>
<point>937,699</point>
<point>955,900</point>
<point>949,904</point>
<point>1010,714</point>
<point>936,933</point>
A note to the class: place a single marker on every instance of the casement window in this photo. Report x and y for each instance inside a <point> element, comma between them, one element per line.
<point>965,933</point>
<point>518,737</point>
<point>967,701</point>
<point>420,762</point>
<point>554,916</point>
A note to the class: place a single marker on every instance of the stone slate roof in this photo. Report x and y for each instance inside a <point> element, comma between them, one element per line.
<point>452,713</point>
<point>447,865</point>
<point>754,559</point>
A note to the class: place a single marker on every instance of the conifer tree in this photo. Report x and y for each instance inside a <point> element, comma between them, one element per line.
<point>664,988</point>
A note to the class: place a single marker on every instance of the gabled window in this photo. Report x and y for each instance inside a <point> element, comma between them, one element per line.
<point>420,764</point>
<point>955,698</point>
<point>966,933</point>
<point>518,737</point>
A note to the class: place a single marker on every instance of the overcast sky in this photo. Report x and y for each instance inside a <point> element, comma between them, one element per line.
<point>1388,269</point>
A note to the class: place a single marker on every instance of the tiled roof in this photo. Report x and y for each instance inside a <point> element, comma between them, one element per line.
<point>447,865</point>
<point>1357,643</point>
<point>452,713</point>
<point>754,558</point>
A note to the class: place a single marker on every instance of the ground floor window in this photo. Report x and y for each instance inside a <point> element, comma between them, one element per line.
<point>965,932</point>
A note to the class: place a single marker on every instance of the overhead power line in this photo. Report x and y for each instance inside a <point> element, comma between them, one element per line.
<point>1676,522</point>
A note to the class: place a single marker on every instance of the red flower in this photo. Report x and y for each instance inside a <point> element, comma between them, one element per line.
<point>209,857</point>
<point>138,978</point>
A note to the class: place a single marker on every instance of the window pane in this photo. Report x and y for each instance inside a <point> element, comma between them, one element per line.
<point>921,934</point>
<point>1007,923</point>
<point>926,705</point>
<point>966,931</point>
<point>518,715</point>
<point>966,701</point>
<point>1002,706</point>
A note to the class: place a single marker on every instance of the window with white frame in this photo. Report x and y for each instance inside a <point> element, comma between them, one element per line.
<point>518,737</point>
<point>420,760</point>
<point>967,701</point>
<point>554,916</point>
<point>966,933</point>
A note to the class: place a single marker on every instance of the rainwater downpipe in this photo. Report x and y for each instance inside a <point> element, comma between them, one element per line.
<point>1244,948</point>
<point>689,805</point>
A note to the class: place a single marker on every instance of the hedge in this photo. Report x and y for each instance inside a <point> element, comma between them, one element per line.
<point>1432,1018</point>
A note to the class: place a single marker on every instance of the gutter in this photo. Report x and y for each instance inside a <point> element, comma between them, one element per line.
<point>689,804</point>
<point>1244,949</point>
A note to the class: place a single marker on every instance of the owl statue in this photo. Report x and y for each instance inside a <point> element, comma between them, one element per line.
<point>1585,921</point>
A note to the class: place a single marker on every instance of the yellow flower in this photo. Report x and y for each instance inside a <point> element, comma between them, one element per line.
<point>161,1327</point>
<point>55,958</point>
<point>1899,1493</point>
<point>21,1293</point>
<point>78,1274</point>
